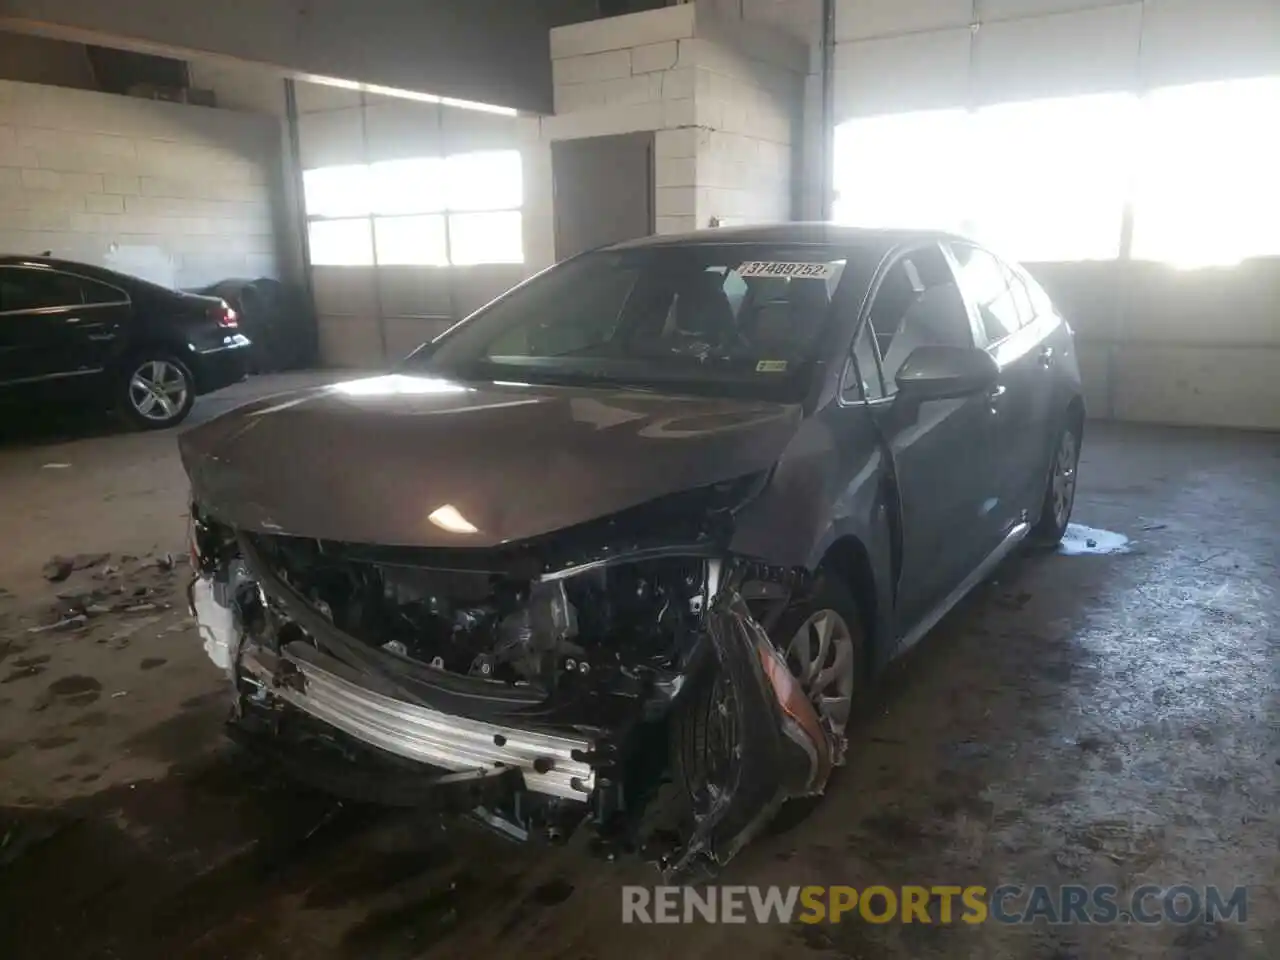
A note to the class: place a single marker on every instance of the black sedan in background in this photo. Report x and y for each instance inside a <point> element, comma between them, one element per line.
<point>72,333</point>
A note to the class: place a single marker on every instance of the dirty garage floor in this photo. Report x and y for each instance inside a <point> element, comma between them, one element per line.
<point>1088,719</point>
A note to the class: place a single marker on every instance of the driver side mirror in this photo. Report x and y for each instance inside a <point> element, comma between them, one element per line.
<point>946,373</point>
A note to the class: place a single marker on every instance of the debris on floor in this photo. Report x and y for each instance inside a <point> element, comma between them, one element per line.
<point>133,585</point>
<point>59,568</point>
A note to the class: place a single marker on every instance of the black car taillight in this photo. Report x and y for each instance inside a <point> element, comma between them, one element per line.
<point>226,317</point>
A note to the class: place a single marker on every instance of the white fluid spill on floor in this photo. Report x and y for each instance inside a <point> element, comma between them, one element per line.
<point>1080,540</point>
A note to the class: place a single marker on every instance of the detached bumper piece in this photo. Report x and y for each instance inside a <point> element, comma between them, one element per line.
<point>313,683</point>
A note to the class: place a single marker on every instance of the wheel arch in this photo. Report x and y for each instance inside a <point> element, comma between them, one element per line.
<point>849,559</point>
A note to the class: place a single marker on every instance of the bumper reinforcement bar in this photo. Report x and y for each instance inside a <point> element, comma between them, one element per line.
<point>419,733</point>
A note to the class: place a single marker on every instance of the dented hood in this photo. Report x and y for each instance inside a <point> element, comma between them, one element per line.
<point>421,461</point>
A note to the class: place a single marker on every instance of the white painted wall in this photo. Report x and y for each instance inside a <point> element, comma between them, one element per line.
<point>178,194</point>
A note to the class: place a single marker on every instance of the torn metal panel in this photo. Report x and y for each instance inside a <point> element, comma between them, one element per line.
<point>562,678</point>
<point>780,752</point>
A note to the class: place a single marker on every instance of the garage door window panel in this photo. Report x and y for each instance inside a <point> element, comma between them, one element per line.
<point>411,241</point>
<point>409,186</point>
<point>488,180</point>
<point>907,170</point>
<point>1208,191</point>
<point>337,191</point>
<point>404,205</point>
<point>476,238</point>
<point>341,243</point>
<point>1051,177</point>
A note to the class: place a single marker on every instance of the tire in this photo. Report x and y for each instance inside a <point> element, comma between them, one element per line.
<point>697,732</point>
<point>832,598</point>
<point>1060,487</point>
<point>154,390</point>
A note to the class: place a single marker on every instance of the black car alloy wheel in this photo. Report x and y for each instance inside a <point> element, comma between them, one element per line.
<point>158,392</point>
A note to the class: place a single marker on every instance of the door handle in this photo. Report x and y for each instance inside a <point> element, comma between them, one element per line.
<point>994,395</point>
<point>1046,357</point>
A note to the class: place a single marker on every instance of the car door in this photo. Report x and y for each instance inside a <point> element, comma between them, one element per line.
<point>1007,329</point>
<point>944,452</point>
<point>47,329</point>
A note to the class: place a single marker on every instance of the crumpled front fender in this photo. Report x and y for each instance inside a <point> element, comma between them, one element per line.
<point>781,749</point>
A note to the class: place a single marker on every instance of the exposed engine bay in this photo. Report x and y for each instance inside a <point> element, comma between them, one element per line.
<point>636,691</point>
<point>634,619</point>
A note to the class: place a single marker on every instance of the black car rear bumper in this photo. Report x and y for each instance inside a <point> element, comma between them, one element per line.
<point>221,366</point>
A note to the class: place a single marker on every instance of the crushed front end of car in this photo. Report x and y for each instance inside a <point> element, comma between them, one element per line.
<point>617,675</point>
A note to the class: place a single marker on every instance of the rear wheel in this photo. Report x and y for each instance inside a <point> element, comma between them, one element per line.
<point>1060,491</point>
<point>155,391</point>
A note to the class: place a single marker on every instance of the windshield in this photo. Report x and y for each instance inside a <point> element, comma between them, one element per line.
<point>721,318</point>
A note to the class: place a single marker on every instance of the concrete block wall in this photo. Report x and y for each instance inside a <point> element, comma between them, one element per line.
<point>749,95</point>
<point>177,194</point>
<point>723,97</point>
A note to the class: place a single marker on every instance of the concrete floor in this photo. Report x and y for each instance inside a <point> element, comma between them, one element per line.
<point>1090,719</point>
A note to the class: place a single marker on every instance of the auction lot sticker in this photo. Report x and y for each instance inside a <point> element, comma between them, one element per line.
<point>798,271</point>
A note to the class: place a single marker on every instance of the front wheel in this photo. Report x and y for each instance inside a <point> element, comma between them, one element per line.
<point>1060,491</point>
<point>155,391</point>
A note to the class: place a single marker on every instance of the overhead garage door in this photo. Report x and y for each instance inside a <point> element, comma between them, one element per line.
<point>1113,146</point>
<point>414,213</point>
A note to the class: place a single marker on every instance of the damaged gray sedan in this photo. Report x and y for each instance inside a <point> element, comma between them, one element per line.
<point>623,550</point>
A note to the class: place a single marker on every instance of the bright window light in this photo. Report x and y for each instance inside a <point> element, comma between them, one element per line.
<point>337,191</point>
<point>1051,176</point>
<point>906,170</point>
<point>341,243</point>
<point>486,238</point>
<point>410,95</point>
<point>398,207</point>
<point>1207,190</point>
<point>411,241</point>
<point>490,180</point>
<point>408,186</point>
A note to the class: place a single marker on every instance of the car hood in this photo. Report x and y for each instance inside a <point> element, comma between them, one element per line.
<point>421,461</point>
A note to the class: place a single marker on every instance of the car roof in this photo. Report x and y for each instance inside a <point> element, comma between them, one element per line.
<point>817,233</point>
<point>88,270</point>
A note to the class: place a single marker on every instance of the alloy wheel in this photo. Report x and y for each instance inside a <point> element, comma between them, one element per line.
<point>158,390</point>
<point>821,656</point>
<point>1064,478</point>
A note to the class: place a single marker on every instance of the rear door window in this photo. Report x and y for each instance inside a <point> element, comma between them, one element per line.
<point>22,288</point>
<point>101,294</point>
<point>988,284</point>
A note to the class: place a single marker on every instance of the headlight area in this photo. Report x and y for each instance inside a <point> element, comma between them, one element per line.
<point>537,698</point>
